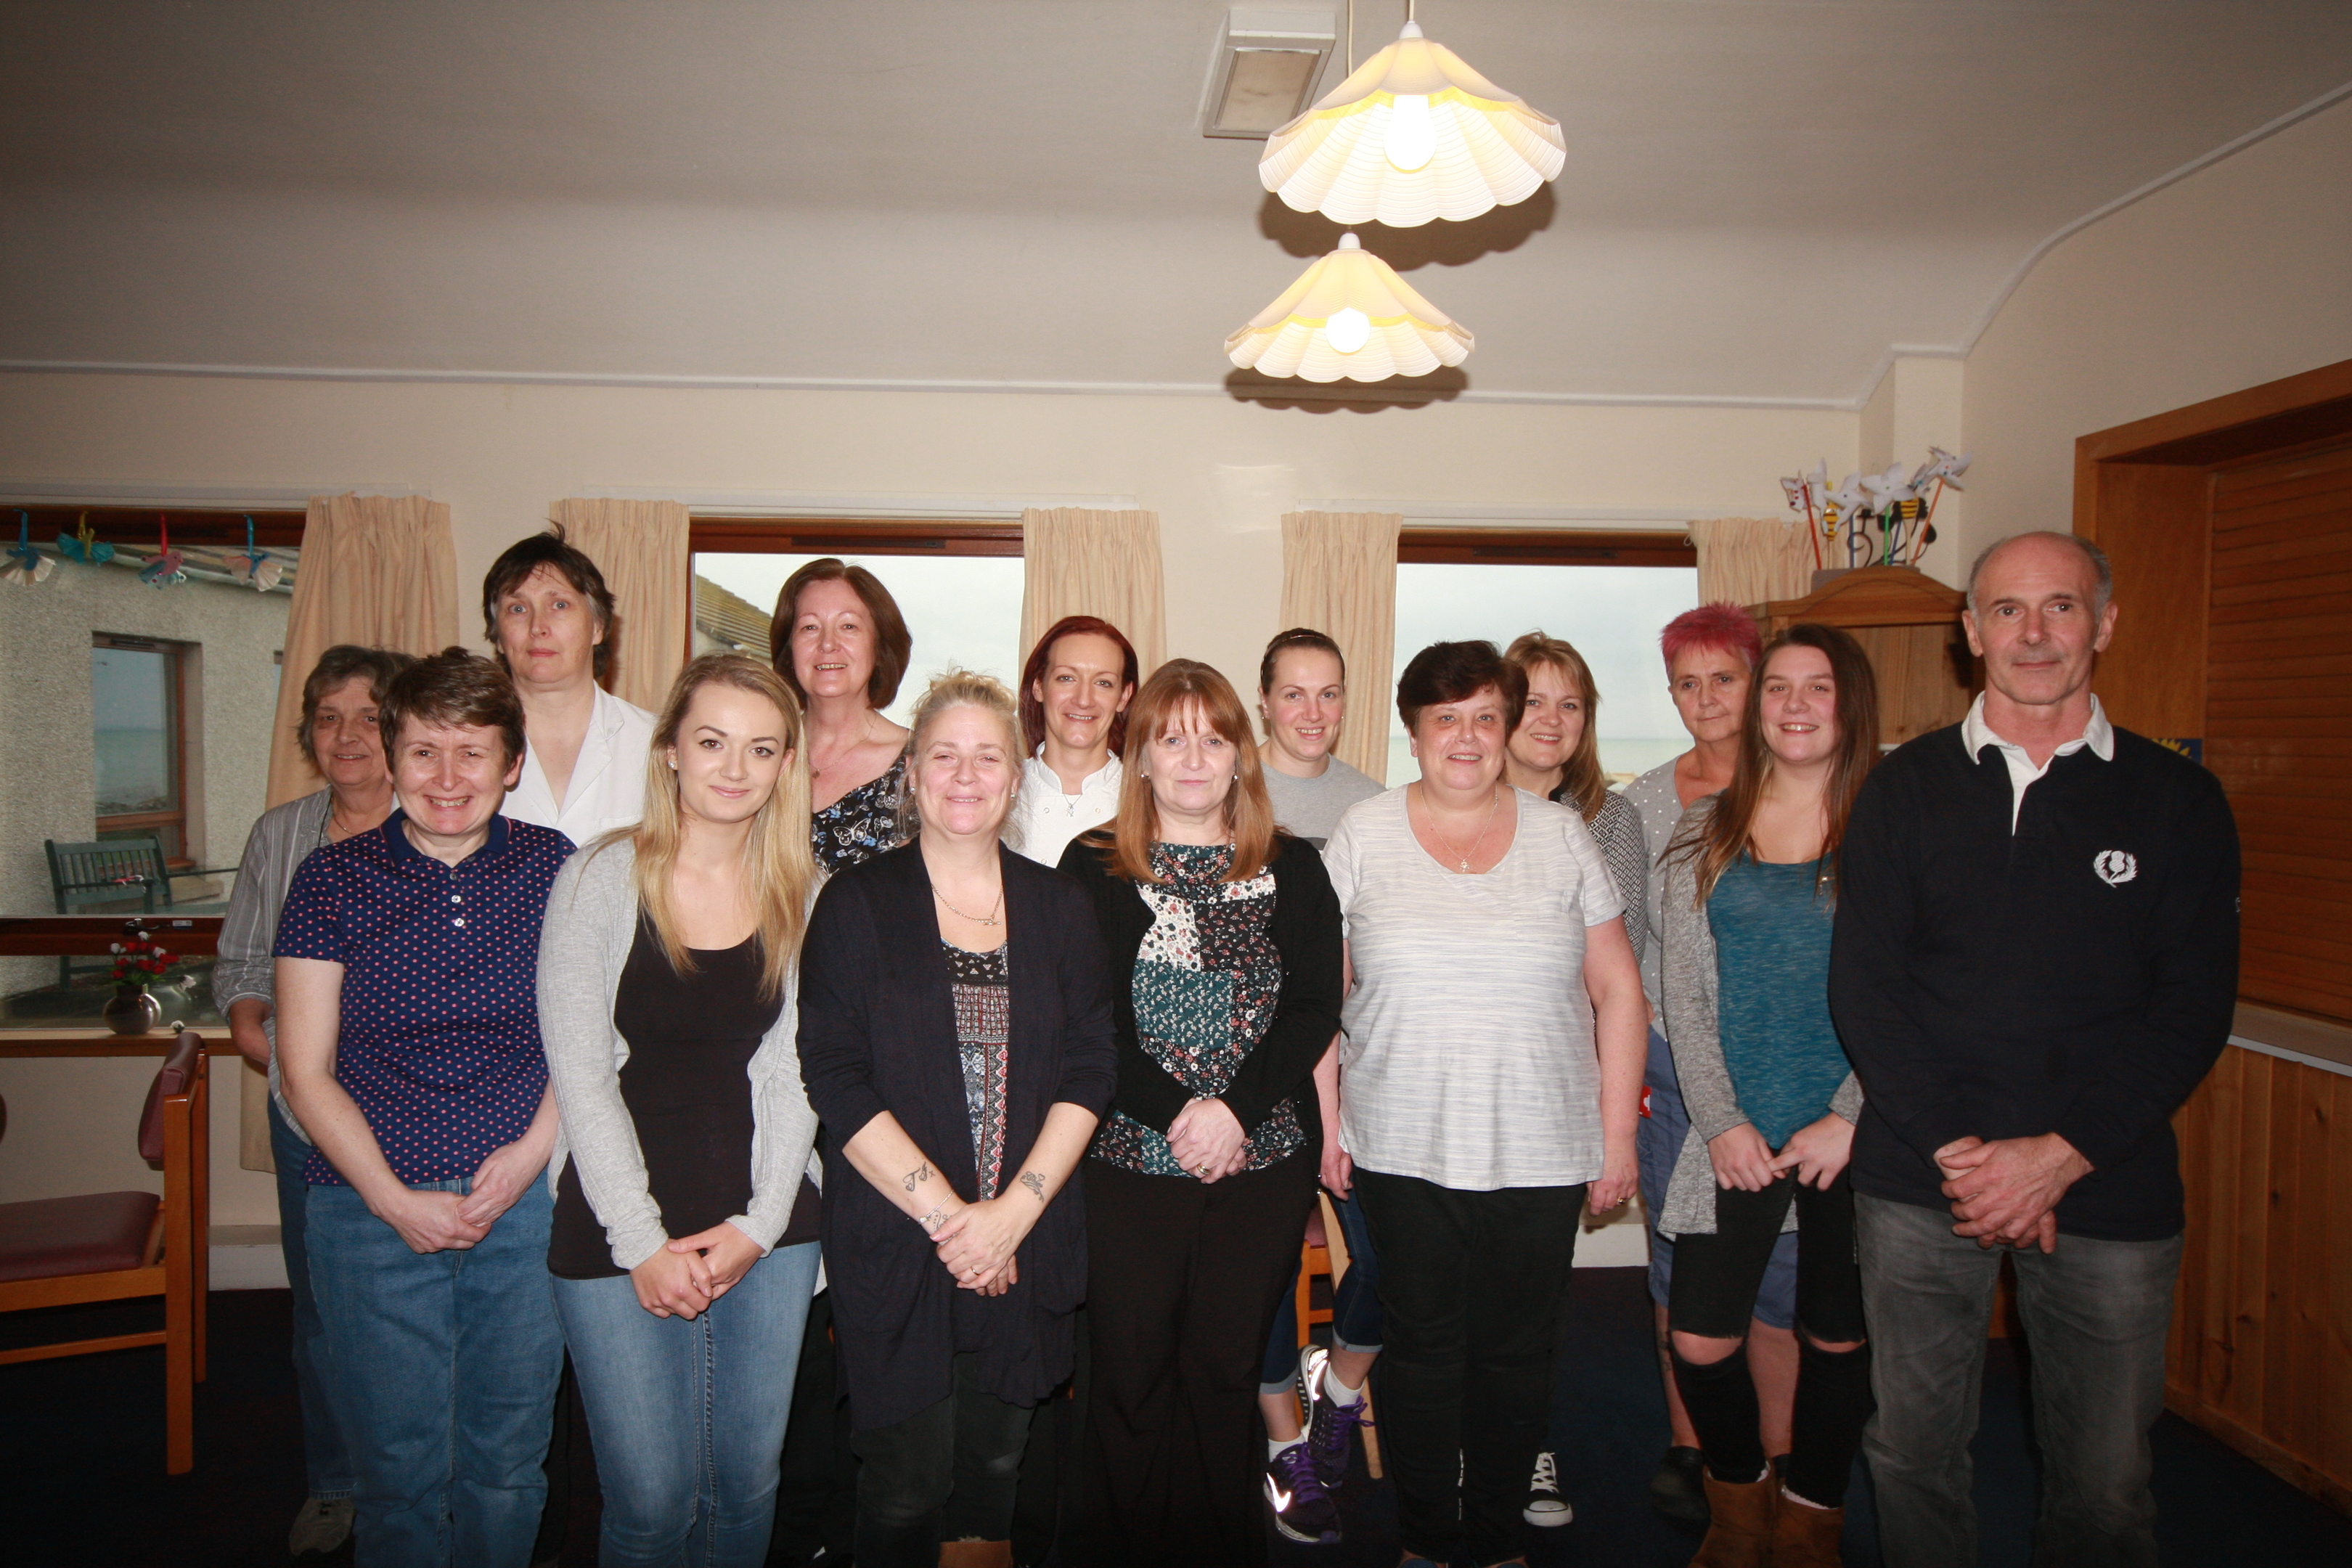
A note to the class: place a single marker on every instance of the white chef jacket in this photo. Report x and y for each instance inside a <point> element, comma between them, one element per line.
<point>1044,820</point>
<point>608,781</point>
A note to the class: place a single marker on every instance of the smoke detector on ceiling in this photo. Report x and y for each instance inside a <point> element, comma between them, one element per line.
<point>1268,61</point>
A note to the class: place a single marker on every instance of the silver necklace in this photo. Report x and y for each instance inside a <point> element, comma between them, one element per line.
<point>1462,861</point>
<point>991,919</point>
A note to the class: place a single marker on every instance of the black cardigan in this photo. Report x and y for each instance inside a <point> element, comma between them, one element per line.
<point>1305,929</point>
<point>2075,976</point>
<point>877,1033</point>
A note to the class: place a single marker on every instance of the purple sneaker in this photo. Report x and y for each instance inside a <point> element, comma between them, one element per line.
<point>1303,1511</point>
<point>1331,1432</point>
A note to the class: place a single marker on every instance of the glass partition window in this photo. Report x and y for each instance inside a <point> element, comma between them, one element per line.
<point>1611,614</point>
<point>136,723</point>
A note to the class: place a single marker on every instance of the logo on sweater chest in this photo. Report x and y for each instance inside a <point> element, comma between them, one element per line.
<point>2115,867</point>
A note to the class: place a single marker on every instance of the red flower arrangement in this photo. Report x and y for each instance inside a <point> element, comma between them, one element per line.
<point>138,961</point>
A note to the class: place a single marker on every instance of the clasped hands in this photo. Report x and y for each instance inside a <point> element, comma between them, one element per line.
<point>429,1220</point>
<point>687,1275</point>
<point>1817,1151</point>
<point>1207,1140</point>
<point>2006,1193</point>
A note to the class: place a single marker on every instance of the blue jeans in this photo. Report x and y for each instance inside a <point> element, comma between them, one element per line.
<point>326,1458</point>
<point>1355,1306</point>
<point>687,1417</point>
<point>1657,1144</point>
<point>2097,1314</point>
<point>444,1372</point>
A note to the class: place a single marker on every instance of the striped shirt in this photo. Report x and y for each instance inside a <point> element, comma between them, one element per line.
<point>1469,1059</point>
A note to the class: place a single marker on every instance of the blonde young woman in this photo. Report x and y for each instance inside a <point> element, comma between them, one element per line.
<point>667,998</point>
<point>956,1038</point>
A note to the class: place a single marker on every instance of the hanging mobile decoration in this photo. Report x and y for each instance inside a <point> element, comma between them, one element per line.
<point>254,566</point>
<point>84,546</point>
<point>27,564</point>
<point>169,568</point>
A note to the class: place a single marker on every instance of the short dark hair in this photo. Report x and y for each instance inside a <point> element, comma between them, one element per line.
<point>450,688</point>
<point>1033,711</point>
<point>1297,637</point>
<point>346,661</point>
<point>567,561</point>
<point>893,646</point>
<point>1451,672</point>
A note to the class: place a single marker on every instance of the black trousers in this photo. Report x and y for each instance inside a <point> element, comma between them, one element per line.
<point>1181,1285</point>
<point>946,1473</point>
<point>1713,1296</point>
<point>1472,1290</point>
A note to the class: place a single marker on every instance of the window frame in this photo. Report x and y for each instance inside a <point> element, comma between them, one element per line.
<point>1546,547</point>
<point>176,698</point>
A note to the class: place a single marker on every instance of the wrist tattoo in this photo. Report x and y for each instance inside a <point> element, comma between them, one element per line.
<point>934,1220</point>
<point>921,1173</point>
<point>1035,1182</point>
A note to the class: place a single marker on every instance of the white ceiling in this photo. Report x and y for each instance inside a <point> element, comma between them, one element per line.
<point>1762,197</point>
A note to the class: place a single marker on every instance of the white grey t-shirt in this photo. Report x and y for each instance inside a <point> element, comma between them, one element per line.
<point>1469,1058</point>
<point>1311,808</point>
<point>1662,812</point>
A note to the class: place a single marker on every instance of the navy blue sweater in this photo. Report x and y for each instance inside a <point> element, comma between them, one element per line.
<point>2075,976</point>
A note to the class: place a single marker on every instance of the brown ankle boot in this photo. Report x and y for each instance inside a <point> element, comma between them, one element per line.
<point>976,1554</point>
<point>1807,1537</point>
<point>1740,1528</point>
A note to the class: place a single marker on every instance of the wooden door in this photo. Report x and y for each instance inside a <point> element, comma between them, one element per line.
<point>2278,717</point>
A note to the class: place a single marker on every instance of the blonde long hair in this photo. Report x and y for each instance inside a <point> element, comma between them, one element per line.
<point>1588,789</point>
<point>957,687</point>
<point>1179,684</point>
<point>777,856</point>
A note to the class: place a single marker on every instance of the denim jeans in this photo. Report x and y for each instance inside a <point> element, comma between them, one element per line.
<point>444,1372</point>
<point>1657,1144</point>
<point>947,1473</point>
<point>326,1458</point>
<point>687,1417</point>
<point>1355,1305</point>
<point>1475,1289</point>
<point>2096,1317</point>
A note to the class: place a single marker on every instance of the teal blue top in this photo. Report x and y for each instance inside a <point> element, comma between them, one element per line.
<point>1772,997</point>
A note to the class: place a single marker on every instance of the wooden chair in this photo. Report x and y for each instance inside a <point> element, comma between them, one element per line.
<point>109,1246</point>
<point>1330,1261</point>
<point>107,873</point>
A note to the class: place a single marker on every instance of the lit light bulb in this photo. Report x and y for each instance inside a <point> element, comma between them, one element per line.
<point>1412,137</point>
<point>1348,328</point>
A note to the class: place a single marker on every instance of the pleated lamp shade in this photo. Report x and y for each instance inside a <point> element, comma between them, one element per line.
<point>1414,134</point>
<point>1350,315</point>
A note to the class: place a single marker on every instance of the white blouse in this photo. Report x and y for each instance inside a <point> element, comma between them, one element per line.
<point>1043,820</point>
<point>608,780</point>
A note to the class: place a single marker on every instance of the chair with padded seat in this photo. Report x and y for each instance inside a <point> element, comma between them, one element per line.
<point>110,1247</point>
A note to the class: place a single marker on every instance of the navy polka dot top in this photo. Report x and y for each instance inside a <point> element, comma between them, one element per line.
<point>439,1044</point>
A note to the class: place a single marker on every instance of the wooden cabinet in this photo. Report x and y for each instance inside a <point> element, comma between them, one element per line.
<point>1909,625</point>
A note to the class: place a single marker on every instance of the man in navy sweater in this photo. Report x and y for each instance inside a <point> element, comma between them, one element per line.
<point>2035,962</point>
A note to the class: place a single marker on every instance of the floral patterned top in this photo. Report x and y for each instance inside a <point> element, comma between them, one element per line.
<point>860,825</point>
<point>981,984</point>
<point>1207,979</point>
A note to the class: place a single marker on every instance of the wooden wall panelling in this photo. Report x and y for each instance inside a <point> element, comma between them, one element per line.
<point>2151,521</point>
<point>2261,1350</point>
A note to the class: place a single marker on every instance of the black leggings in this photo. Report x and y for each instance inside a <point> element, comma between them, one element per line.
<point>1713,1296</point>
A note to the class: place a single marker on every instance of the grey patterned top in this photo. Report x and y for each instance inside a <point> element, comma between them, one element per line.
<point>1653,796</point>
<point>1617,828</point>
<point>281,840</point>
<point>981,986</point>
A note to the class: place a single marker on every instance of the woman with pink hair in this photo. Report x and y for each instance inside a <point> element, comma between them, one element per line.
<point>1711,654</point>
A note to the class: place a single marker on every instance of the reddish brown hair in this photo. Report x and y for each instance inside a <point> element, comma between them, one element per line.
<point>1587,789</point>
<point>1032,710</point>
<point>1722,624</point>
<point>893,646</point>
<point>1180,684</point>
<point>453,689</point>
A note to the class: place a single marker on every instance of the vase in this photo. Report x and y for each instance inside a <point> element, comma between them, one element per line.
<point>133,1013</point>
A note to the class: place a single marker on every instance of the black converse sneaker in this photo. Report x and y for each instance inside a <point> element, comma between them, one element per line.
<point>1546,1507</point>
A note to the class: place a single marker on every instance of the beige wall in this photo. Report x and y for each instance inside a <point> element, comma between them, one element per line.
<point>2236,276</point>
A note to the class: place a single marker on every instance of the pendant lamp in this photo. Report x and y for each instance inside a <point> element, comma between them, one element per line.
<point>1413,134</point>
<point>1350,315</point>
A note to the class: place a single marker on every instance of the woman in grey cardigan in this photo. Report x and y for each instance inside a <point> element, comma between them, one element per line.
<point>1750,885</point>
<point>666,995</point>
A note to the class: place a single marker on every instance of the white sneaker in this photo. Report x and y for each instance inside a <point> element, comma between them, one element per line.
<point>1546,1507</point>
<point>323,1526</point>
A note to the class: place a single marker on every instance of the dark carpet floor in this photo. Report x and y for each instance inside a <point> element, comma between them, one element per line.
<point>81,1461</point>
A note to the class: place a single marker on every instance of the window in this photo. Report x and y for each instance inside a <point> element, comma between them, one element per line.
<point>1608,594</point>
<point>957,584</point>
<point>137,696</point>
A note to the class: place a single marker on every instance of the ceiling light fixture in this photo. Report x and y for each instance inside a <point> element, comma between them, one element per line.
<point>1413,134</point>
<point>1266,69</point>
<point>1350,315</point>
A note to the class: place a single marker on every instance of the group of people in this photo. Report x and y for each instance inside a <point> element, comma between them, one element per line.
<point>832,1095</point>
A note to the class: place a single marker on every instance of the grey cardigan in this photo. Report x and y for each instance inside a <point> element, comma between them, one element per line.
<point>583,945</point>
<point>1687,981</point>
<point>282,838</point>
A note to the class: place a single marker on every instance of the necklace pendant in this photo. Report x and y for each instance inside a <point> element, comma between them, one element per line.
<point>1466,867</point>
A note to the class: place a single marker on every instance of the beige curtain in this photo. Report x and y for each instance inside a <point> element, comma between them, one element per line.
<point>641,548</point>
<point>1752,560</point>
<point>1106,563</point>
<point>1339,577</point>
<point>375,570</point>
